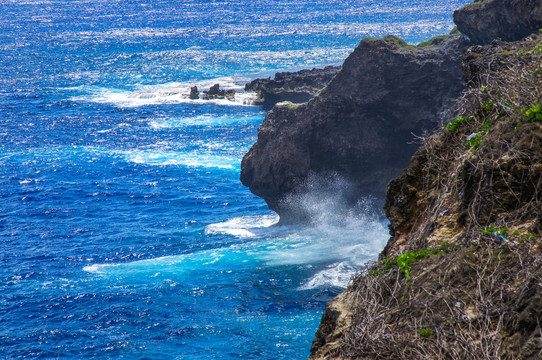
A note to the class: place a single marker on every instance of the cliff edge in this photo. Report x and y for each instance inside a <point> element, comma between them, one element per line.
<point>360,127</point>
<point>296,87</point>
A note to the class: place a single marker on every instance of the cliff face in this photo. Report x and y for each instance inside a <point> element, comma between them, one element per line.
<point>461,277</point>
<point>361,125</point>
<point>508,20</point>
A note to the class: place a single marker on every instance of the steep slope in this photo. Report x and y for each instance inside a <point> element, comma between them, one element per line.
<point>361,126</point>
<point>461,277</point>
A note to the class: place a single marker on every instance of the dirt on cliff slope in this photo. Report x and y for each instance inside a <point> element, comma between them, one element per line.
<point>461,277</point>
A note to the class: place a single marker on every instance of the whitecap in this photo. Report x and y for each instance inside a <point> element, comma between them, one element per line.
<point>189,159</point>
<point>244,227</point>
<point>169,93</point>
<point>337,275</point>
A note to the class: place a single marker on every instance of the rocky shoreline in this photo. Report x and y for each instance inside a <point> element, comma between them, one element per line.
<point>294,87</point>
<point>361,126</point>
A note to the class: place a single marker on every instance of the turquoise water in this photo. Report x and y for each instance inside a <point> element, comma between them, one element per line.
<point>125,232</point>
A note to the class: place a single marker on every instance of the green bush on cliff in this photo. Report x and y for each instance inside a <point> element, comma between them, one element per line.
<point>403,261</point>
<point>456,123</point>
<point>536,50</point>
<point>425,333</point>
<point>532,114</point>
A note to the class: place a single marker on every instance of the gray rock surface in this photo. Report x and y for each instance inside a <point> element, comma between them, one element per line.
<point>216,93</point>
<point>362,126</point>
<point>297,87</point>
<point>194,93</point>
<point>509,20</point>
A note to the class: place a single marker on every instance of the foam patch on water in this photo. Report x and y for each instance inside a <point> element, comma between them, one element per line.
<point>171,93</point>
<point>213,155</point>
<point>335,249</point>
<point>244,227</point>
<point>216,264</point>
<point>336,275</point>
<point>204,120</point>
<point>190,159</point>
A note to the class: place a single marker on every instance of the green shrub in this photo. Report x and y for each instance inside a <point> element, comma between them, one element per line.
<point>496,231</point>
<point>452,126</point>
<point>425,333</point>
<point>534,113</point>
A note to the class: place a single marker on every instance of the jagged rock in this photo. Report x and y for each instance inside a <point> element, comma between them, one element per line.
<point>216,93</point>
<point>509,20</point>
<point>214,90</point>
<point>361,126</point>
<point>335,320</point>
<point>194,93</point>
<point>296,87</point>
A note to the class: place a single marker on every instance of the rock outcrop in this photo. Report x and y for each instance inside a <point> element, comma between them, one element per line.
<point>296,87</point>
<point>362,125</point>
<point>215,92</point>
<point>194,93</point>
<point>509,20</point>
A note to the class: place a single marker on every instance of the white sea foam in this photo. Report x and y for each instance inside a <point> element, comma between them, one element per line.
<point>170,93</point>
<point>337,243</point>
<point>190,159</point>
<point>203,120</point>
<point>335,252</point>
<point>244,227</point>
<point>336,275</point>
<point>177,268</point>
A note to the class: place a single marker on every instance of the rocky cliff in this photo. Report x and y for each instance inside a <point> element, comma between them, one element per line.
<point>508,20</point>
<point>461,277</point>
<point>361,127</point>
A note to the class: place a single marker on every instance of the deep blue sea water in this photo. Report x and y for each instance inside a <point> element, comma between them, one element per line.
<point>124,230</point>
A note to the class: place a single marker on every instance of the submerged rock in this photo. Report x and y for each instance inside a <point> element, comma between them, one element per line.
<point>361,126</point>
<point>509,20</point>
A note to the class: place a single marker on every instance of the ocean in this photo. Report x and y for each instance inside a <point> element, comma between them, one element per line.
<point>125,232</point>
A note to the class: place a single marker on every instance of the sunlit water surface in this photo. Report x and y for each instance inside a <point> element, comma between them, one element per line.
<point>125,232</point>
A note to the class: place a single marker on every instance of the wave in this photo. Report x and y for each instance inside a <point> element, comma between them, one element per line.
<point>208,156</point>
<point>336,275</point>
<point>170,93</point>
<point>205,120</point>
<point>244,227</point>
<point>335,250</point>
<point>190,159</point>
